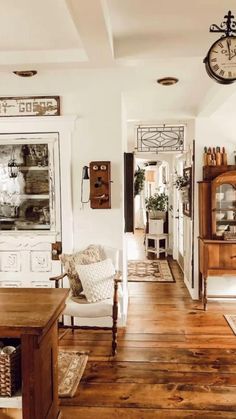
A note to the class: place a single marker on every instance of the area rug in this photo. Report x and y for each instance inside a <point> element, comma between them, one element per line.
<point>231,319</point>
<point>149,271</point>
<point>71,366</point>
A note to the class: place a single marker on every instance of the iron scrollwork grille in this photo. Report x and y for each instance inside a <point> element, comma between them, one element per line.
<point>160,138</point>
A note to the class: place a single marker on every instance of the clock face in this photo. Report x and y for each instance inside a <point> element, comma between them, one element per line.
<point>221,60</point>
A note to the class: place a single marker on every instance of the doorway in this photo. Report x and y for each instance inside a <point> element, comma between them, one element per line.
<point>151,180</point>
<point>160,176</point>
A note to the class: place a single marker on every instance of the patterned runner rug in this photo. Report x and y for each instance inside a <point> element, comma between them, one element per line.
<point>149,271</point>
<point>71,366</point>
<point>231,319</point>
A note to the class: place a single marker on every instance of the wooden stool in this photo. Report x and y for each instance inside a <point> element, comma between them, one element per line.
<point>157,249</point>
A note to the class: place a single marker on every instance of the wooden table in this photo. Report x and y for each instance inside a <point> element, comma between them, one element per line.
<point>31,315</point>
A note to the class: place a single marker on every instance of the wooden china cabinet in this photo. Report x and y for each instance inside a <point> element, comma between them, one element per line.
<point>217,225</point>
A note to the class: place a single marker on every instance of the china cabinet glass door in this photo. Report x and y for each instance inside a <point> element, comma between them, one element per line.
<point>224,208</point>
<point>27,185</point>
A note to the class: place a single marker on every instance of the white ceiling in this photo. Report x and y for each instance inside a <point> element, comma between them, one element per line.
<point>147,39</point>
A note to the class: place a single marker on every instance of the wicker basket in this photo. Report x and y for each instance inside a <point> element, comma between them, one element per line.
<point>10,372</point>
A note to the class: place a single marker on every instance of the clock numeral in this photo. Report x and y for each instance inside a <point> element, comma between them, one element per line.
<point>216,67</point>
<point>229,74</point>
<point>222,72</point>
<point>220,45</point>
<point>213,60</point>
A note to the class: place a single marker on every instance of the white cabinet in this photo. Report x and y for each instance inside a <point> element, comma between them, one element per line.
<point>30,210</point>
<point>31,214</point>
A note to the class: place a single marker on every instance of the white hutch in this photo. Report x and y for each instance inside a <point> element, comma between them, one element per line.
<point>35,198</point>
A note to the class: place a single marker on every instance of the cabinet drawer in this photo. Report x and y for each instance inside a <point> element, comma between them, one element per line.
<point>222,256</point>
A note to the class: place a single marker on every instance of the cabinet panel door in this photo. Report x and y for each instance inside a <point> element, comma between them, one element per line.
<point>228,256</point>
<point>222,256</point>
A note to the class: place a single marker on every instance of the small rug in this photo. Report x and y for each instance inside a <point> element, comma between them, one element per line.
<point>231,319</point>
<point>149,271</point>
<point>71,366</point>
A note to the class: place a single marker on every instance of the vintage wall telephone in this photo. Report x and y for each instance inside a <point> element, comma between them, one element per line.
<point>99,175</point>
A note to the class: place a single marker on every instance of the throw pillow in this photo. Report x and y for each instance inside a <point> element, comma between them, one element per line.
<point>97,280</point>
<point>89,255</point>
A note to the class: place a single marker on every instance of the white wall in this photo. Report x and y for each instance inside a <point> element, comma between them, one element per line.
<point>212,132</point>
<point>99,138</point>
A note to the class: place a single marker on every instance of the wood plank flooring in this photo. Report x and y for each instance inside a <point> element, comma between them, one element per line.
<point>173,361</point>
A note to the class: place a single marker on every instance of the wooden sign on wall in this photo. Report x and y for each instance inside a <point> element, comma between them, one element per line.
<point>30,106</point>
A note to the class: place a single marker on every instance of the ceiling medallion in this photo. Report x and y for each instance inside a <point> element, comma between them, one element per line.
<point>167,81</point>
<point>25,73</point>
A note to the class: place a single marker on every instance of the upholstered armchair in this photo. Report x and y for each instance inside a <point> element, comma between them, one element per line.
<point>79,312</point>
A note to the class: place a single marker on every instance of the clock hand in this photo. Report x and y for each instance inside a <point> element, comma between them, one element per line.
<point>228,46</point>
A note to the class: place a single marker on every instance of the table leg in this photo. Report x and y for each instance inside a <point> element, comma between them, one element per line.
<point>200,286</point>
<point>205,294</point>
<point>157,248</point>
<point>146,246</point>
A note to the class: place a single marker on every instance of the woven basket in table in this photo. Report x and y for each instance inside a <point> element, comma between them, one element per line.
<point>10,372</point>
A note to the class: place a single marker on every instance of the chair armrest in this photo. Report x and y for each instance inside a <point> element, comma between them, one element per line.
<point>57,279</point>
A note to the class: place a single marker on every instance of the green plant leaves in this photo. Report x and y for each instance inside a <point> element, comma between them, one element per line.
<point>157,202</point>
<point>139,179</point>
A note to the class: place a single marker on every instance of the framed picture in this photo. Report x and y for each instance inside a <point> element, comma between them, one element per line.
<point>29,106</point>
<point>187,201</point>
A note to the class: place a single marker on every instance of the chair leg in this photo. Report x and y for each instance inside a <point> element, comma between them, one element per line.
<point>115,317</point>
<point>114,338</point>
<point>72,324</point>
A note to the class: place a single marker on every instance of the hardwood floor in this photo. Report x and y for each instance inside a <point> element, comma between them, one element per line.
<point>173,361</point>
<point>135,245</point>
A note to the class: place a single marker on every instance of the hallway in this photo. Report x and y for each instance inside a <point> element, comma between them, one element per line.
<point>173,361</point>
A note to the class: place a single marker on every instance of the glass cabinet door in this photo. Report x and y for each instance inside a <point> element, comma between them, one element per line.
<point>26,186</point>
<point>224,209</point>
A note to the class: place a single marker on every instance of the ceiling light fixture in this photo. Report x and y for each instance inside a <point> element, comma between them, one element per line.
<point>167,81</point>
<point>25,73</point>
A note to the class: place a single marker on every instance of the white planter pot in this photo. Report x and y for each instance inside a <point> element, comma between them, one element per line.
<point>157,215</point>
<point>156,226</point>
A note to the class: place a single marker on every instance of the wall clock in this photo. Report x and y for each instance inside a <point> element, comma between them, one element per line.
<point>220,61</point>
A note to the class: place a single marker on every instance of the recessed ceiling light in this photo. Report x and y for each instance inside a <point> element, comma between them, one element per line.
<point>25,73</point>
<point>167,81</point>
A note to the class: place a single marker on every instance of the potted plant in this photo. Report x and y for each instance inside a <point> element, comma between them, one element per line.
<point>182,183</point>
<point>139,179</point>
<point>157,205</point>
